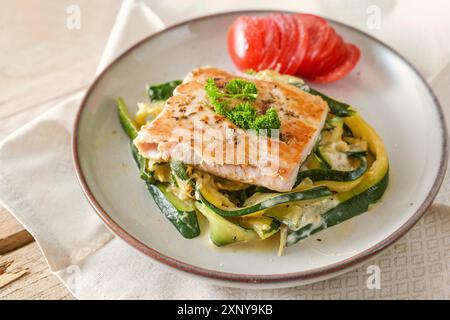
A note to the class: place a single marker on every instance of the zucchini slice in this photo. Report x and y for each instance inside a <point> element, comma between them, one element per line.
<point>179,170</point>
<point>329,155</point>
<point>357,200</point>
<point>271,200</point>
<point>144,174</point>
<point>335,151</point>
<point>161,172</point>
<point>181,213</point>
<point>299,215</point>
<point>264,227</point>
<point>162,91</point>
<point>342,212</point>
<point>128,124</point>
<point>130,128</point>
<point>334,175</point>
<point>289,215</point>
<point>379,167</point>
<point>183,186</point>
<point>338,186</point>
<point>314,162</point>
<point>222,231</point>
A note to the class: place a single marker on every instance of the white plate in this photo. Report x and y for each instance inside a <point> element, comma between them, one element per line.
<point>384,87</point>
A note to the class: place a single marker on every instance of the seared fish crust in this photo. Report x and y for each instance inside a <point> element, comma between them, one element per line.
<point>188,129</point>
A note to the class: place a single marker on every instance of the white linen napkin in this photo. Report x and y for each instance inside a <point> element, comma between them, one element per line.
<point>38,183</point>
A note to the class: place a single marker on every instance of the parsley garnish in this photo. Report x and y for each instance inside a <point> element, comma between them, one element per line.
<point>244,115</point>
<point>268,121</point>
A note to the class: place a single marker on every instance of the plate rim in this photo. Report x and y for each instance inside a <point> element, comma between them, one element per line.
<point>331,269</point>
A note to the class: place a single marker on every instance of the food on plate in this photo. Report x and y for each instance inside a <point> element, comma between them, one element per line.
<point>254,103</point>
<point>257,154</point>
<point>297,44</point>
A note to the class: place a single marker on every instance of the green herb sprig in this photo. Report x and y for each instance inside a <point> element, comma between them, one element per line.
<point>243,115</point>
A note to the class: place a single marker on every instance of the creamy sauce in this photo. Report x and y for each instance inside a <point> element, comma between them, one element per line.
<point>311,213</point>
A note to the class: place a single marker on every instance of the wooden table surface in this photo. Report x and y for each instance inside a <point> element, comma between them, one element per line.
<point>42,61</point>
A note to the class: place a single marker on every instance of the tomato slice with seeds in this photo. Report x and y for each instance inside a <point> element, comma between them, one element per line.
<point>245,43</point>
<point>341,70</point>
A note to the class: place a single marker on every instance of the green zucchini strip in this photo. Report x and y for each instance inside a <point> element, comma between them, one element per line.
<point>334,175</point>
<point>223,232</point>
<point>266,204</point>
<point>346,210</point>
<point>182,216</point>
<point>142,164</point>
<point>130,128</point>
<point>264,226</point>
<point>179,169</point>
<point>128,124</point>
<point>357,200</point>
<point>337,108</point>
<point>162,91</point>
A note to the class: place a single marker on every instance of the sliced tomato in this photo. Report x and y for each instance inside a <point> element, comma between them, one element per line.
<point>285,32</point>
<point>318,34</point>
<point>330,46</point>
<point>272,38</point>
<point>352,57</point>
<point>245,43</point>
<point>300,44</point>
<point>292,42</point>
<point>337,56</point>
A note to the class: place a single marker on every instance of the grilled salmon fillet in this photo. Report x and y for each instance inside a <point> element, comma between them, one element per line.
<point>189,130</point>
